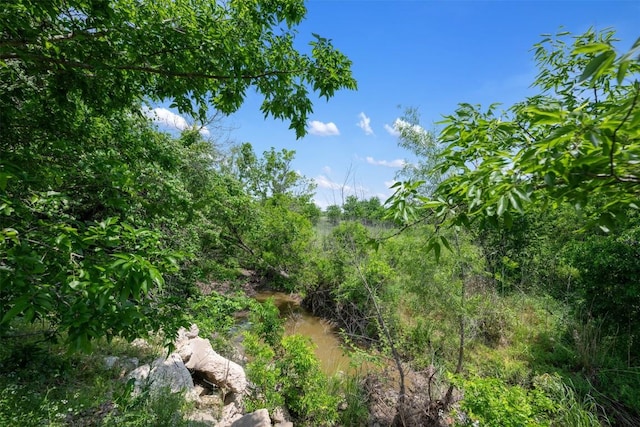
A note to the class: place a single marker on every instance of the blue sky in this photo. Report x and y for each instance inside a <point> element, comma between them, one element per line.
<point>430,55</point>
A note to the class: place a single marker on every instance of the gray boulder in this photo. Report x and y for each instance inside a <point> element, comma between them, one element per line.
<point>199,356</point>
<point>259,418</point>
<point>164,374</point>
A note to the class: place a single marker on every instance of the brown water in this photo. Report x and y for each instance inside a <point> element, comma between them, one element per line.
<point>299,321</point>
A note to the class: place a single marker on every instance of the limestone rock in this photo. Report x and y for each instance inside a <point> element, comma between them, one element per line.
<point>140,375</point>
<point>185,335</point>
<point>280,415</point>
<point>171,373</point>
<point>199,356</point>
<point>125,364</point>
<point>259,418</point>
<point>202,418</point>
<point>110,361</point>
<point>230,413</point>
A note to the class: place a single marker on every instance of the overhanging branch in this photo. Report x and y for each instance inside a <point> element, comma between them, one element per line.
<point>143,69</point>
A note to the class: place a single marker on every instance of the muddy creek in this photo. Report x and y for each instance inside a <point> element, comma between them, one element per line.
<point>323,335</point>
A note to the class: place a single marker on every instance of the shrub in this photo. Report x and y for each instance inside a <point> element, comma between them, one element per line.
<point>305,387</point>
<point>263,373</point>
<point>493,403</point>
<point>214,313</point>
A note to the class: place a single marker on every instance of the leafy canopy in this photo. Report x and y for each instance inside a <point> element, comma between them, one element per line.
<point>102,217</point>
<point>576,141</point>
<point>197,53</point>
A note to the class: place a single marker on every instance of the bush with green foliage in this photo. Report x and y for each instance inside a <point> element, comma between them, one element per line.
<point>305,390</point>
<point>608,277</point>
<point>285,370</point>
<point>43,384</point>
<point>334,214</point>
<point>215,313</point>
<point>492,403</point>
<point>549,402</point>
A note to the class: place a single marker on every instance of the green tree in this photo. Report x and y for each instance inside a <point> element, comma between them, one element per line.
<point>197,53</point>
<point>269,176</point>
<point>373,210</point>
<point>308,209</point>
<point>352,209</point>
<point>424,146</point>
<point>88,247</point>
<point>576,142</point>
<point>334,213</point>
<point>96,206</point>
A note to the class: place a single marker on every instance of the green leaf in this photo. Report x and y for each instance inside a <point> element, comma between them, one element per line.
<point>597,64</point>
<point>502,205</point>
<point>446,244</point>
<point>550,179</point>
<point>622,71</point>
<point>606,222</point>
<point>156,277</point>
<point>508,220</point>
<point>435,247</point>
<point>11,234</point>
<point>4,178</point>
<point>592,48</point>
<point>19,305</point>
<point>515,202</point>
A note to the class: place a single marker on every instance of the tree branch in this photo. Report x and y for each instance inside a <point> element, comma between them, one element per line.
<point>615,134</point>
<point>145,69</point>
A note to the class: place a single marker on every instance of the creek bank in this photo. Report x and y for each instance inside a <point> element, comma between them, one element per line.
<point>422,405</point>
<point>328,346</point>
<point>298,318</point>
<point>217,386</point>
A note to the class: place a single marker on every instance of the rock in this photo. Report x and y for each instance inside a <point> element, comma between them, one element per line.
<point>284,424</point>
<point>199,356</point>
<point>211,402</point>
<point>184,335</point>
<point>259,418</point>
<point>202,418</point>
<point>140,375</point>
<point>110,361</point>
<point>170,373</point>
<point>193,331</point>
<point>200,391</point>
<point>280,415</point>
<point>230,414</point>
<point>125,364</point>
<point>141,344</point>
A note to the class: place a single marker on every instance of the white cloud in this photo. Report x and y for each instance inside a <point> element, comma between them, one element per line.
<point>383,197</point>
<point>397,163</point>
<point>324,182</point>
<point>391,130</point>
<point>323,129</point>
<point>322,204</point>
<point>326,170</point>
<point>365,124</point>
<point>405,127</point>
<point>402,127</point>
<point>170,119</point>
